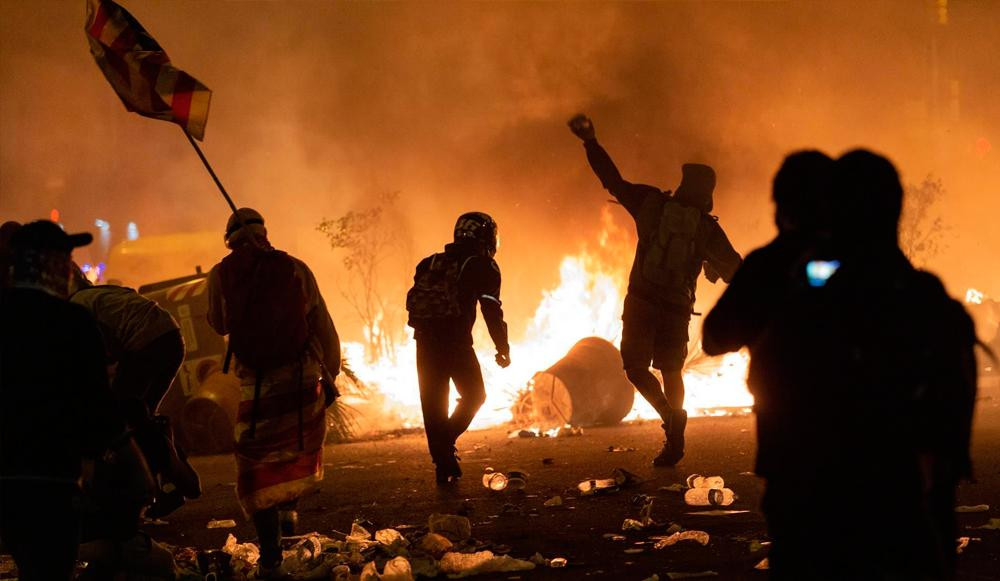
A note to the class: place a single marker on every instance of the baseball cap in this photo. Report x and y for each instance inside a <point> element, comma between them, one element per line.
<point>46,235</point>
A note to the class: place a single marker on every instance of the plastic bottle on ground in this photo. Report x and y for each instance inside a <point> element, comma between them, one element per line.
<point>594,486</point>
<point>709,497</point>
<point>699,481</point>
<point>495,481</point>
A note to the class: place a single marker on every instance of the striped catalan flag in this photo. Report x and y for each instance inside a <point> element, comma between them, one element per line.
<point>140,72</point>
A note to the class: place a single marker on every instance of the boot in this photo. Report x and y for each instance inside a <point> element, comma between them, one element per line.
<point>447,470</point>
<point>673,446</point>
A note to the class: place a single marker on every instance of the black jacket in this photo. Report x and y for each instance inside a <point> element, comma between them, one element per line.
<point>55,403</point>
<point>479,282</point>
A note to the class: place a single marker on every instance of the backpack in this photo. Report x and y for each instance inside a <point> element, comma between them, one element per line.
<point>434,294</point>
<point>672,248</point>
<point>265,307</point>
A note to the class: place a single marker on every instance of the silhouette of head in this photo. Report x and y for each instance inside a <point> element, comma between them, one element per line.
<point>247,228</point>
<point>869,200</point>
<point>477,227</point>
<point>697,184</point>
<point>801,191</point>
<point>41,255</point>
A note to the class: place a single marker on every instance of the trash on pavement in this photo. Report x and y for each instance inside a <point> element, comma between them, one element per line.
<point>452,526</point>
<point>397,569</point>
<point>614,537</point>
<point>340,573</point>
<point>221,524</point>
<point>974,508</point>
<point>756,545</point>
<point>620,449</point>
<point>558,562</point>
<point>554,501</point>
<point>694,575</point>
<point>517,479</point>
<point>434,544</point>
<point>391,538</point>
<point>764,565</point>
<point>696,536</point>
<point>653,577</point>
<point>548,461</point>
<point>963,543</point>
<point>458,565</point>
<point>676,487</point>
<point>620,478</point>
<point>495,481</point>
<point>631,524</point>
<point>246,552</point>
<point>709,496</point>
<point>699,481</point>
<point>634,551</point>
<point>993,525</point>
<point>717,512</point>
<point>569,431</point>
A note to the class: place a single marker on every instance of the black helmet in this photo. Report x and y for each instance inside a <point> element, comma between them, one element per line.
<point>479,227</point>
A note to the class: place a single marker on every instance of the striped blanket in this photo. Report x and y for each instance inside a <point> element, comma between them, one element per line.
<point>281,457</point>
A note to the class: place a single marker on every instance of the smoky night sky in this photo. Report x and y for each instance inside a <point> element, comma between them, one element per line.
<point>317,106</point>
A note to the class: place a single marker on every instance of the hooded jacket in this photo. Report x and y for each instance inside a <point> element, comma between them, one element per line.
<point>645,204</point>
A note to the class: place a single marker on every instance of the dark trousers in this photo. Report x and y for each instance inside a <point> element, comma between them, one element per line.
<point>144,376</point>
<point>268,525</point>
<point>657,334</point>
<point>40,527</point>
<point>437,364</point>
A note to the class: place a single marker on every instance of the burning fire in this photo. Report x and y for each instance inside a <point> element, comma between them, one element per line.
<point>586,302</point>
<point>974,296</point>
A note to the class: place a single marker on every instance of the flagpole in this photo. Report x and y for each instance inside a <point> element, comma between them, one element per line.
<point>211,172</point>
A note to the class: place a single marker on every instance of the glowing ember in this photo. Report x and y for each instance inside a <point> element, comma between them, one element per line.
<point>586,302</point>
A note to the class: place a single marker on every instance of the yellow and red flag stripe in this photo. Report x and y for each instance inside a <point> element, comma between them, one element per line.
<point>140,72</point>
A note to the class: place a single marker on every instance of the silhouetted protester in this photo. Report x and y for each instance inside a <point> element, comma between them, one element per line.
<point>442,311</point>
<point>56,410</point>
<point>801,192</point>
<point>677,237</point>
<point>865,378</point>
<point>7,230</point>
<point>287,356</point>
<point>144,343</point>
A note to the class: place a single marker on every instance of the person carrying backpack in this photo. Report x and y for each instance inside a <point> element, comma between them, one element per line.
<point>442,311</point>
<point>287,356</point>
<point>144,343</point>
<point>677,238</point>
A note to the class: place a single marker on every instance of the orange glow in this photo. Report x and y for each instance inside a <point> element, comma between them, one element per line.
<point>587,301</point>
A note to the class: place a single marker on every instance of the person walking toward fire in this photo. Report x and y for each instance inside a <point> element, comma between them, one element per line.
<point>287,356</point>
<point>677,238</point>
<point>442,310</point>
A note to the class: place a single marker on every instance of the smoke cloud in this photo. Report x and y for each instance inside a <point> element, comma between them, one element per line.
<point>318,106</point>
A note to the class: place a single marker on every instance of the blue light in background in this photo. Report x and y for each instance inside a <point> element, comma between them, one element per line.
<point>132,233</point>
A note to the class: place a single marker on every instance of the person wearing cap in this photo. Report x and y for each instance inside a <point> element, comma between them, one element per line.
<point>57,413</point>
<point>287,357</point>
<point>678,237</point>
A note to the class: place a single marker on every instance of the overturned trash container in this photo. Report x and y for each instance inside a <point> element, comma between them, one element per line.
<point>586,387</point>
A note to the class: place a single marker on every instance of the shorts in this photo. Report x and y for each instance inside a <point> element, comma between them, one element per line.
<point>652,332</point>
